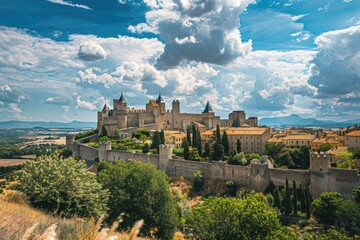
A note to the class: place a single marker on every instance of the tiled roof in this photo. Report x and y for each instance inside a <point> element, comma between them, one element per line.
<point>353,134</point>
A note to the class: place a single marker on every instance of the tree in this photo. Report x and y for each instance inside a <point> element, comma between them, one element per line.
<point>141,192</point>
<point>104,132</point>
<point>273,149</point>
<point>306,155</point>
<point>238,159</point>
<point>188,136</point>
<point>194,136</point>
<point>238,145</point>
<point>297,157</point>
<point>308,202</point>
<point>277,201</point>
<point>194,154</point>
<point>295,199</point>
<point>146,148</point>
<point>207,150</point>
<point>330,234</point>
<point>218,151</point>
<point>356,195</point>
<point>248,217</point>
<point>284,159</point>
<point>324,147</point>
<point>156,141</point>
<point>117,133</point>
<point>63,187</point>
<point>346,161</point>
<point>327,207</point>
<point>225,143</point>
<point>287,199</point>
<point>162,137</point>
<point>186,149</point>
<point>218,135</point>
<point>199,142</point>
<point>302,200</point>
<point>198,181</point>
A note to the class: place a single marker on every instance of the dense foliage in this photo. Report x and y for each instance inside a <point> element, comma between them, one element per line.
<point>141,192</point>
<point>62,186</point>
<point>86,134</point>
<point>288,157</point>
<point>248,217</point>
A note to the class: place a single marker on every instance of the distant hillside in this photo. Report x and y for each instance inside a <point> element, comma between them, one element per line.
<point>296,120</point>
<point>23,124</point>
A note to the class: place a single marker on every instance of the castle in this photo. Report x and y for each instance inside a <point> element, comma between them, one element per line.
<point>156,117</point>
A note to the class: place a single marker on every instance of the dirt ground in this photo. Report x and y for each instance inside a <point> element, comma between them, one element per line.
<point>11,162</point>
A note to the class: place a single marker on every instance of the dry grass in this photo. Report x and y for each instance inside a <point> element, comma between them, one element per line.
<point>19,221</point>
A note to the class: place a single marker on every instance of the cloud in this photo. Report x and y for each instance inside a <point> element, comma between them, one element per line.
<point>91,51</point>
<point>11,94</point>
<point>196,30</point>
<point>84,104</point>
<point>336,67</point>
<point>62,2</point>
<point>15,111</point>
<point>297,17</point>
<point>57,101</point>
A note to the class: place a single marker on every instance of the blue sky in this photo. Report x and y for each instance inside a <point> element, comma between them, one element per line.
<point>61,60</point>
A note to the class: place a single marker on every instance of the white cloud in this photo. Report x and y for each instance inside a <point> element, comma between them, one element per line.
<point>62,2</point>
<point>297,17</point>
<point>91,51</point>
<point>57,100</point>
<point>11,94</point>
<point>84,104</point>
<point>15,111</point>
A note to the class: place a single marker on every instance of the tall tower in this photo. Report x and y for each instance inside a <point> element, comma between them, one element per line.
<point>122,112</point>
<point>175,122</point>
<point>161,103</point>
<point>175,106</point>
<point>122,104</point>
<point>208,115</point>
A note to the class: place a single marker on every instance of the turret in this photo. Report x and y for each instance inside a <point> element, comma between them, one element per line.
<point>105,110</point>
<point>161,103</point>
<point>122,104</point>
<point>165,154</point>
<point>175,106</point>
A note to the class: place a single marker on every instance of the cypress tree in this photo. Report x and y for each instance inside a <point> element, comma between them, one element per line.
<point>238,145</point>
<point>295,199</point>
<point>218,151</point>
<point>225,142</point>
<point>218,135</point>
<point>277,203</point>
<point>133,135</point>
<point>188,136</point>
<point>162,137</point>
<point>194,136</point>
<point>307,199</point>
<point>186,149</point>
<point>287,200</point>
<point>156,141</point>
<point>198,140</point>
<point>104,131</point>
<point>207,150</point>
<point>302,200</point>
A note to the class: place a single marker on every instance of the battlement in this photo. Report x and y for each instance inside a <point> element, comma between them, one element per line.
<point>164,146</point>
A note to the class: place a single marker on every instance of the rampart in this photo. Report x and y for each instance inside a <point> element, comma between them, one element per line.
<point>258,175</point>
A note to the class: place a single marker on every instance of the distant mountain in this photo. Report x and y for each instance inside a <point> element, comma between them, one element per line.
<point>23,124</point>
<point>296,120</point>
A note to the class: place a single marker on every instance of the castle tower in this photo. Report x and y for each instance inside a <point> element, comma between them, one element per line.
<point>161,103</point>
<point>175,106</point>
<point>105,110</point>
<point>208,115</point>
<point>122,121</point>
<point>122,104</point>
<point>175,124</point>
<point>165,154</point>
<point>237,118</point>
<point>104,147</point>
<point>319,173</point>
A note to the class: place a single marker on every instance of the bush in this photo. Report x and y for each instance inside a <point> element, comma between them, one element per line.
<point>63,187</point>
<point>231,188</point>
<point>141,192</point>
<point>248,217</point>
<point>198,181</point>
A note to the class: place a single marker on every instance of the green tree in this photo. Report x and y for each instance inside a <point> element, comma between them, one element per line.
<point>194,136</point>
<point>207,150</point>
<point>194,154</point>
<point>188,136</point>
<point>218,151</point>
<point>248,217</point>
<point>141,192</point>
<point>218,135</point>
<point>302,200</point>
<point>295,199</point>
<point>356,195</point>
<point>327,207</point>
<point>297,157</point>
<point>117,133</point>
<point>155,144</point>
<point>63,187</point>
<point>346,160</point>
<point>104,132</point>
<point>330,234</point>
<point>199,142</point>
<point>287,199</point>
<point>238,145</point>
<point>308,202</point>
<point>324,147</point>
<point>306,157</point>
<point>284,159</point>
<point>146,148</point>
<point>225,143</point>
<point>162,137</point>
<point>273,149</point>
<point>277,199</point>
<point>186,149</point>
<point>198,181</point>
<point>238,159</point>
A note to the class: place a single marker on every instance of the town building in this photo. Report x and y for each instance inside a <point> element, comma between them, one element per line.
<point>296,141</point>
<point>315,145</point>
<point>352,139</point>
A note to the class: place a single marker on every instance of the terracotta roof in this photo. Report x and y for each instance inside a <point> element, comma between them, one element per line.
<point>299,137</point>
<point>353,134</point>
<point>323,140</point>
<point>275,140</point>
<point>239,131</point>
<point>153,103</point>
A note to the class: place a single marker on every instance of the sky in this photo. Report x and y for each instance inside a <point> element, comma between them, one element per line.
<point>61,60</point>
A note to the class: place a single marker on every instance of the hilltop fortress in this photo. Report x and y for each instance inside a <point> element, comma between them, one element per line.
<point>156,117</point>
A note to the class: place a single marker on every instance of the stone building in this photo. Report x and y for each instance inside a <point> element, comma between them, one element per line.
<point>252,139</point>
<point>352,139</point>
<point>155,116</point>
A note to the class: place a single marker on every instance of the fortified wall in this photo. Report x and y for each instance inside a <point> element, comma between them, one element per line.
<point>258,175</point>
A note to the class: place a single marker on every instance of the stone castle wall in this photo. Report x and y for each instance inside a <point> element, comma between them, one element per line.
<point>258,175</point>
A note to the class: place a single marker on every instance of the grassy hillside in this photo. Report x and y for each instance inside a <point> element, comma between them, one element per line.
<point>19,221</point>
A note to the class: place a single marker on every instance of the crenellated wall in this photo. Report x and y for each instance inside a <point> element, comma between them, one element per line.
<point>258,175</point>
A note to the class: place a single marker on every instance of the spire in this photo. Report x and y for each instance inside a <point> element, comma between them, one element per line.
<point>122,98</point>
<point>160,99</point>
<point>106,108</point>
<point>208,108</point>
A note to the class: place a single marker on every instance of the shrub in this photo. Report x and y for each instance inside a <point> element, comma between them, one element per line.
<point>231,188</point>
<point>62,186</point>
<point>198,181</point>
<point>248,217</point>
<point>141,192</point>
